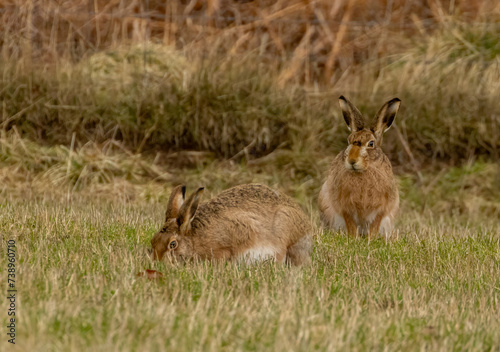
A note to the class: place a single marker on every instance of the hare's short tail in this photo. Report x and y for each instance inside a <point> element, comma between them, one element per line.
<point>300,252</point>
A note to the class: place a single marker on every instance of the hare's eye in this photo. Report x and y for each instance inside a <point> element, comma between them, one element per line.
<point>371,144</point>
<point>173,244</point>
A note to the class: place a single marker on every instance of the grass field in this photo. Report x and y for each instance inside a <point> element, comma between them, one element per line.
<point>106,106</point>
<point>435,286</point>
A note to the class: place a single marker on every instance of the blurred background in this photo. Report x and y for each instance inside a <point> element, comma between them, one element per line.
<point>128,98</point>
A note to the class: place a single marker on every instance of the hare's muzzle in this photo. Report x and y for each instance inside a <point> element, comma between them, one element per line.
<point>354,161</point>
<point>353,156</point>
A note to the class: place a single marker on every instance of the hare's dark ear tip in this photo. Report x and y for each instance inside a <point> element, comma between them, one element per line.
<point>395,100</point>
<point>342,98</point>
<point>201,189</point>
<point>183,189</point>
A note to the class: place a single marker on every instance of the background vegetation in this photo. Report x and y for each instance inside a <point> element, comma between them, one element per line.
<point>106,105</point>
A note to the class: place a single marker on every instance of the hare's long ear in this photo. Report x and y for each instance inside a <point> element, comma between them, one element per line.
<point>384,118</point>
<point>175,202</point>
<point>188,209</point>
<point>352,116</point>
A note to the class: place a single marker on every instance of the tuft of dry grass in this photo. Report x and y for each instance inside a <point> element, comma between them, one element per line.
<point>450,83</point>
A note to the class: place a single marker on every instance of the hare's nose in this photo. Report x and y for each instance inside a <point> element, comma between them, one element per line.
<point>352,161</point>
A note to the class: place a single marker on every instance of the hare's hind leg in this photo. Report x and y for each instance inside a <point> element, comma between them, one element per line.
<point>292,225</point>
<point>300,252</point>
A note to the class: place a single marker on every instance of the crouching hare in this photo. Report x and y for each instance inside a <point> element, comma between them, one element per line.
<point>250,222</point>
<point>360,194</point>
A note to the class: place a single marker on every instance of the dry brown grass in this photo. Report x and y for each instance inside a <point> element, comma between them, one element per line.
<point>311,39</point>
<point>177,76</point>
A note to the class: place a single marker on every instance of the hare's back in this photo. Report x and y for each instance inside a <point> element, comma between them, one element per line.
<point>244,199</point>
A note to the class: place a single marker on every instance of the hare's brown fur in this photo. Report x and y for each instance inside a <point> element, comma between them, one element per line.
<point>248,221</point>
<point>360,194</point>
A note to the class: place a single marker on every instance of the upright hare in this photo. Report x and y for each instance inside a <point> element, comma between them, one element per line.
<point>360,193</point>
<point>250,222</point>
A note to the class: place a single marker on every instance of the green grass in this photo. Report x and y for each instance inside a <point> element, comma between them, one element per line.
<point>435,286</point>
